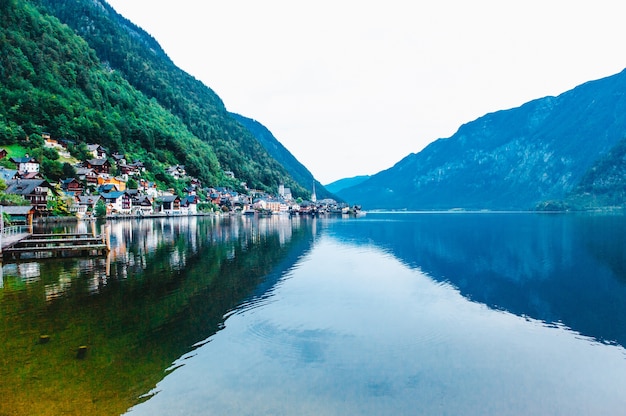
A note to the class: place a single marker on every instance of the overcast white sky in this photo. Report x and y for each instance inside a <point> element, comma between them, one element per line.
<point>351,87</point>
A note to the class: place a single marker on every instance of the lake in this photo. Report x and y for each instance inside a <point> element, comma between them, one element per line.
<point>386,314</point>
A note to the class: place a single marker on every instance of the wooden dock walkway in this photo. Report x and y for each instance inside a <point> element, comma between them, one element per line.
<point>14,245</point>
<point>12,239</point>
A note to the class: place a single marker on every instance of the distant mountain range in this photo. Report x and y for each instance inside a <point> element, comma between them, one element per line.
<point>341,184</point>
<point>553,153</point>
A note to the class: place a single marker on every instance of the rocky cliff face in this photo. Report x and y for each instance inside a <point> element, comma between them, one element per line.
<point>511,159</point>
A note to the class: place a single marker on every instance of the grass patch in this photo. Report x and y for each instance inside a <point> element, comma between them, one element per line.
<point>15,150</point>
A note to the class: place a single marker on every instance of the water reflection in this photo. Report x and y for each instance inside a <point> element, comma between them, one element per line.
<point>564,269</point>
<point>166,285</point>
<point>350,330</point>
<point>327,316</point>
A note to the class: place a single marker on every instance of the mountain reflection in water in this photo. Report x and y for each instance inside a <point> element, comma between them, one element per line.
<point>563,269</point>
<point>430,313</point>
<point>423,314</point>
<point>166,285</point>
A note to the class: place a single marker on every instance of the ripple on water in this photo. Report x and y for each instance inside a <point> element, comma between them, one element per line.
<point>292,344</point>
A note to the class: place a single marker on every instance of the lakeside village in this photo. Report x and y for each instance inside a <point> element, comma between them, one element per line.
<point>94,192</point>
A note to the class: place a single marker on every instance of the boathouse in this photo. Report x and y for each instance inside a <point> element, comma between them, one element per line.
<point>19,214</point>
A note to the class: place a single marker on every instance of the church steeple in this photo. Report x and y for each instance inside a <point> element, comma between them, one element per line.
<point>313,196</point>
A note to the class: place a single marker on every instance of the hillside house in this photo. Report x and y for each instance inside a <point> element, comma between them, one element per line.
<point>127,170</point>
<point>272,205</point>
<point>98,165</point>
<point>133,193</point>
<point>243,200</point>
<point>169,204</point>
<point>97,151</point>
<point>119,158</point>
<point>33,190</point>
<point>176,171</point>
<point>51,143</point>
<point>148,188</point>
<point>87,174</point>
<point>119,183</point>
<point>85,205</point>
<point>189,205</point>
<point>25,164</point>
<point>260,204</point>
<point>31,175</point>
<point>132,169</point>
<point>3,153</point>
<point>142,205</point>
<point>59,146</point>
<point>141,168</point>
<point>117,202</point>
<point>7,174</point>
<point>107,187</point>
<point>214,196</point>
<point>72,186</point>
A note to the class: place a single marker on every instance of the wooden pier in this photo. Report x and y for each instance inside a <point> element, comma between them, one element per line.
<point>57,244</point>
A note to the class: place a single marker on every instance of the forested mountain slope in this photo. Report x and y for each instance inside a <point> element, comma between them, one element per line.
<point>51,81</point>
<point>298,171</point>
<point>109,96</point>
<point>548,152</point>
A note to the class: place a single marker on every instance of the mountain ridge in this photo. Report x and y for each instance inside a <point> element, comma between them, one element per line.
<point>275,148</point>
<point>509,159</point>
<point>125,49</point>
<point>344,183</point>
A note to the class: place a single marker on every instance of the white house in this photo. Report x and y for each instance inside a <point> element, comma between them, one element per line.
<point>170,204</point>
<point>142,205</point>
<point>117,202</point>
<point>26,164</point>
<point>177,171</point>
<point>84,204</point>
<point>189,205</point>
<point>97,151</point>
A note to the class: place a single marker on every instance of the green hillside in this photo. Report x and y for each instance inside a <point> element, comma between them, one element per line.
<point>283,156</point>
<point>127,49</point>
<point>116,87</point>
<point>51,81</point>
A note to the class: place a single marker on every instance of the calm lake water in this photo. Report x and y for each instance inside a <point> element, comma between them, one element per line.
<point>387,314</point>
